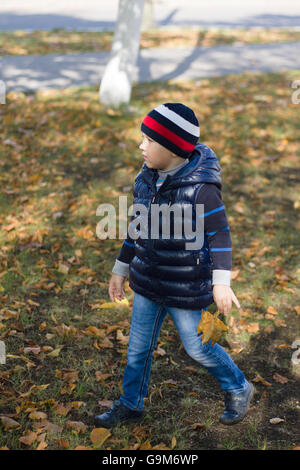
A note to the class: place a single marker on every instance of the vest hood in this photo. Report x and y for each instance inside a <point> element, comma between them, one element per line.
<point>203,167</point>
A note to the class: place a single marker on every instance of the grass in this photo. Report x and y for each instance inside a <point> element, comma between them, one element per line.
<point>60,41</point>
<point>63,154</point>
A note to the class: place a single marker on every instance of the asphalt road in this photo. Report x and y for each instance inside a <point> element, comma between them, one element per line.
<point>25,73</point>
<point>58,71</point>
<point>101,14</point>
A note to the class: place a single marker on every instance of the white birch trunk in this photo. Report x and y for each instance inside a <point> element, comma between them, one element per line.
<point>115,87</point>
<point>148,18</point>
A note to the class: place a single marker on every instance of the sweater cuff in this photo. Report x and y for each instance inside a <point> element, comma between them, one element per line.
<point>221,276</point>
<point>121,268</point>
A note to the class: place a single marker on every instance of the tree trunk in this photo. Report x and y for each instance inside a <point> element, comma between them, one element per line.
<point>148,18</point>
<point>115,87</point>
<point>2,92</point>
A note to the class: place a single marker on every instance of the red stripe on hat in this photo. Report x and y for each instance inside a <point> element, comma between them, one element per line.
<point>162,130</point>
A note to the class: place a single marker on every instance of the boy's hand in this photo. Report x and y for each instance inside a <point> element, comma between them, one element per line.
<point>223,296</point>
<point>116,287</point>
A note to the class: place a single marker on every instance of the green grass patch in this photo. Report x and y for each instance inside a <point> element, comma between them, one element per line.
<point>60,41</point>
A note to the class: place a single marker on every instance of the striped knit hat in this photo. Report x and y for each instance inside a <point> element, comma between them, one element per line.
<point>174,126</point>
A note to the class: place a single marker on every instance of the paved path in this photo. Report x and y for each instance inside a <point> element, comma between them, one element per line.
<point>21,73</point>
<point>101,14</point>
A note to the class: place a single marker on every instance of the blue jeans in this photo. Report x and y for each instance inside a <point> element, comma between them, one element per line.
<point>146,321</point>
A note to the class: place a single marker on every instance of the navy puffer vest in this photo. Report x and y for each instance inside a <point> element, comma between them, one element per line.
<point>163,270</point>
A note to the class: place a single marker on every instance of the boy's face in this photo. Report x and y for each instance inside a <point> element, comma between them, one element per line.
<point>156,156</point>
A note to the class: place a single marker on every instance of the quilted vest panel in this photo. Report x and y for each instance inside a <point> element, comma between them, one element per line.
<point>163,269</point>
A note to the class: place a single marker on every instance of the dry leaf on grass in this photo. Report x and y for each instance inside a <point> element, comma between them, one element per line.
<point>99,435</point>
<point>105,402</point>
<point>48,427</point>
<point>28,438</point>
<point>272,310</point>
<point>42,445</point>
<point>55,352</point>
<point>121,338</point>
<point>276,420</point>
<point>119,303</point>
<point>280,378</point>
<point>77,425</point>
<point>9,423</point>
<point>63,443</point>
<point>37,415</point>
<point>259,378</point>
<point>62,409</point>
<point>106,343</point>
<point>94,331</point>
<point>297,308</point>
<point>250,327</point>
<point>68,375</point>
<point>145,446</point>
<point>198,426</point>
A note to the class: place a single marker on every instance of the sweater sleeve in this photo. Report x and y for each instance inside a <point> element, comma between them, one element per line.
<point>218,233</point>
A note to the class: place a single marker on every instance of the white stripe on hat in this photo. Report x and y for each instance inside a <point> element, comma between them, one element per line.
<point>180,121</point>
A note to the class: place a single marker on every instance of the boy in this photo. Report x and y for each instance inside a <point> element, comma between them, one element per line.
<point>165,276</point>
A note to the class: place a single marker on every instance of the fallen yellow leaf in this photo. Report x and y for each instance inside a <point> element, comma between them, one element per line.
<point>146,445</point>
<point>106,343</point>
<point>37,415</point>
<point>99,435</point>
<point>101,377</point>
<point>94,331</point>
<point>63,268</point>
<point>122,303</point>
<point>31,302</point>
<point>107,305</point>
<point>42,445</point>
<point>252,327</point>
<point>62,409</point>
<point>211,327</point>
<point>55,352</point>
<point>123,339</point>
<point>272,310</point>
<point>259,378</point>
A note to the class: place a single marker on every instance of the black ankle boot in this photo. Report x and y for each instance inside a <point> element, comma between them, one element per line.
<point>118,413</point>
<point>237,404</point>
